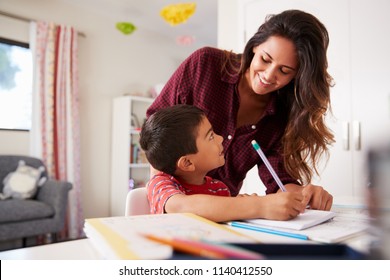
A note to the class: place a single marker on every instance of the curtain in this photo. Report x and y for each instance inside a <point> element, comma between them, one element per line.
<point>55,133</point>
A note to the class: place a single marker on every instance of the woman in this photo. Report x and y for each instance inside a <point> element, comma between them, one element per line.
<point>276,92</point>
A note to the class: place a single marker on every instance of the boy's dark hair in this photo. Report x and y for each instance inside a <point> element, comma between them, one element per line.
<point>169,134</point>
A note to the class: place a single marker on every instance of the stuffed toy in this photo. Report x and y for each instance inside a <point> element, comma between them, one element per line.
<point>23,183</point>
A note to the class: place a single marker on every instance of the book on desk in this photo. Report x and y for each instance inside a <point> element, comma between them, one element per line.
<point>125,237</point>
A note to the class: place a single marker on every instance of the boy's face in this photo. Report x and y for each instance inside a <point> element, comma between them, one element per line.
<point>210,150</point>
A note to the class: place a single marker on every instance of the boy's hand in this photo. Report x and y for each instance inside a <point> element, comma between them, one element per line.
<point>284,205</point>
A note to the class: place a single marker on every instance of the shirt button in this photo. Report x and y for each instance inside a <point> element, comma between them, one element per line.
<point>253,127</point>
<point>230,137</point>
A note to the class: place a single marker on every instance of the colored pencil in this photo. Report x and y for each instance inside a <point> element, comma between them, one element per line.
<point>268,230</point>
<point>206,248</point>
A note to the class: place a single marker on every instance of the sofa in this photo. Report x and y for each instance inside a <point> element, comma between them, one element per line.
<point>42,214</point>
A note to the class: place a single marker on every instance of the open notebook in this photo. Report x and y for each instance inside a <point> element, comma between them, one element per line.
<point>344,223</point>
<point>305,220</point>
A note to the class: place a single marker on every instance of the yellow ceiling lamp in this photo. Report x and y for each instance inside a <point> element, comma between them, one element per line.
<point>176,14</point>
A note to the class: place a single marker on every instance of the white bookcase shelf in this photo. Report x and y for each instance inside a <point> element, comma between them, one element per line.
<point>128,165</point>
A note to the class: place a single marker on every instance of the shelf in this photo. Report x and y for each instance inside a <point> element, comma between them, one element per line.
<point>135,98</point>
<point>139,165</point>
<point>135,131</point>
<point>126,162</point>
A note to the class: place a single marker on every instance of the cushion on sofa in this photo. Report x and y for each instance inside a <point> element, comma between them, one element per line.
<point>15,210</point>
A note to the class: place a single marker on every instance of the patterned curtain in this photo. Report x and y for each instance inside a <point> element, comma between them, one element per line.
<point>55,133</point>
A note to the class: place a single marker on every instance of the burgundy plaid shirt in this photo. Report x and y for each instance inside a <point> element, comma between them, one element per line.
<point>199,81</point>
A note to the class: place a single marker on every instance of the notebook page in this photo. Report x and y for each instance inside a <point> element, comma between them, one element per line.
<point>305,220</point>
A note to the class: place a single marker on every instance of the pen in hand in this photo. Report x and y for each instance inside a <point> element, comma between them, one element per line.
<point>268,165</point>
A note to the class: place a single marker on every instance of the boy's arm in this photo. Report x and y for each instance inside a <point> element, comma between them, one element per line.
<point>279,206</point>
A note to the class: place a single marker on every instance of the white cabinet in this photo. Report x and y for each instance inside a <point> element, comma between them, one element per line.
<point>370,73</point>
<point>129,167</point>
<point>361,99</point>
<point>359,60</point>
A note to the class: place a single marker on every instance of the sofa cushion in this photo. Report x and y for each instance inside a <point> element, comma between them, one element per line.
<point>15,210</point>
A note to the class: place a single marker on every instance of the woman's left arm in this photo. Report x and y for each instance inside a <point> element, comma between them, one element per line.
<point>316,196</point>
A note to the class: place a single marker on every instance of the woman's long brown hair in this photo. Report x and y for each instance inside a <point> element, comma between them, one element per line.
<point>307,97</point>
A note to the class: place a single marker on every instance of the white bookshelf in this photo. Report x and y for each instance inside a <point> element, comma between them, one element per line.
<point>124,164</point>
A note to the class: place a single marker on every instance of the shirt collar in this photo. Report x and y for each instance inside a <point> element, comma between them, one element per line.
<point>234,79</point>
<point>231,77</point>
<point>271,106</point>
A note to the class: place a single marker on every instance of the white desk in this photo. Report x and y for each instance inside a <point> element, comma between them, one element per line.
<point>70,250</point>
<point>83,250</point>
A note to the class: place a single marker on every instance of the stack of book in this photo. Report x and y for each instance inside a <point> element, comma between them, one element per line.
<point>155,237</point>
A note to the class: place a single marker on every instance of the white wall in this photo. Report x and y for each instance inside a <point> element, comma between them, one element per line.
<point>110,64</point>
<point>228,33</point>
<point>228,25</point>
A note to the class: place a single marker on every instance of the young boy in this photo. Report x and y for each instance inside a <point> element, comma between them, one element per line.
<point>179,141</point>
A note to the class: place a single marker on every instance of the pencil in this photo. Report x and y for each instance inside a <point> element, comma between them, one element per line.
<point>268,165</point>
<point>206,249</point>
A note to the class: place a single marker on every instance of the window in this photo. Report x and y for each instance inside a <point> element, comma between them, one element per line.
<point>15,85</point>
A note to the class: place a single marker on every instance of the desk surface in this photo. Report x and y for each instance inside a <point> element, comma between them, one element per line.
<point>83,249</point>
<point>80,249</point>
